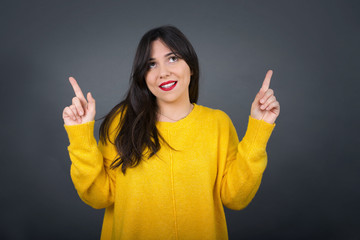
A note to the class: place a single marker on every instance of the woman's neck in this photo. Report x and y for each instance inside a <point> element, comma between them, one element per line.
<point>172,112</point>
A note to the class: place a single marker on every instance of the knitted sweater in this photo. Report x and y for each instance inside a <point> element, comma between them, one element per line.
<point>176,194</point>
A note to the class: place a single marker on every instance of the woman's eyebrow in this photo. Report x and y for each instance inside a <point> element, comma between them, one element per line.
<point>166,55</point>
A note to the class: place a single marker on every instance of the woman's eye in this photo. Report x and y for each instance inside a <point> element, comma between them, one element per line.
<point>173,59</point>
<point>152,65</point>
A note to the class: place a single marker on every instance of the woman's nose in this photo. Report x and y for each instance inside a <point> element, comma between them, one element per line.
<point>164,71</point>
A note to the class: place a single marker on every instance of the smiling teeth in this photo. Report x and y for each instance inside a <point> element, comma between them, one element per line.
<point>168,85</point>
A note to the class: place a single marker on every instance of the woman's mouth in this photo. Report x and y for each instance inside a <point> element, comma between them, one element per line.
<point>167,86</point>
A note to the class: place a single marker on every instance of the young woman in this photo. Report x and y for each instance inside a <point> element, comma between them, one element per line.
<point>164,166</point>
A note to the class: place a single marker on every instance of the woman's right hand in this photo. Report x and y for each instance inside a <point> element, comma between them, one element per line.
<point>81,111</point>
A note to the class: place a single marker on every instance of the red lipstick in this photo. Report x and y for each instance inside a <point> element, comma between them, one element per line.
<point>167,86</point>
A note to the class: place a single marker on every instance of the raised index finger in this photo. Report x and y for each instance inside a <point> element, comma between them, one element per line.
<point>77,89</point>
<point>266,83</point>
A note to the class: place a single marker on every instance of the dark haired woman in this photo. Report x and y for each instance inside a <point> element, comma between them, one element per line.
<point>165,166</point>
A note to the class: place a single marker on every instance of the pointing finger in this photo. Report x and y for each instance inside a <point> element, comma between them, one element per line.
<point>77,89</point>
<point>266,83</point>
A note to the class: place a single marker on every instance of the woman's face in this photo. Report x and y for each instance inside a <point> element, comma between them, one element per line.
<point>168,76</point>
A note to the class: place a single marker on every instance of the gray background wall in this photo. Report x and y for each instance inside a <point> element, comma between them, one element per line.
<point>310,189</point>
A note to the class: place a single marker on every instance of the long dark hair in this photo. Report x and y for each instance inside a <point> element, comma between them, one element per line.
<point>137,130</point>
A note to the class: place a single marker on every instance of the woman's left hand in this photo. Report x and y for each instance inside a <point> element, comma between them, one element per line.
<point>265,107</point>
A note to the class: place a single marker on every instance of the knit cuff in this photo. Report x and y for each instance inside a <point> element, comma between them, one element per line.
<point>259,131</point>
<point>81,134</point>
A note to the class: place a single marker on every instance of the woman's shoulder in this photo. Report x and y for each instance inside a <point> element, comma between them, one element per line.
<point>213,113</point>
<point>112,122</point>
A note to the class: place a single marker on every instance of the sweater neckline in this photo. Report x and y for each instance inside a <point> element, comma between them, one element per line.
<point>182,122</point>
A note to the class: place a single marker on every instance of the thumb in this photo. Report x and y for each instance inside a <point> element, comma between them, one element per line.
<point>91,101</point>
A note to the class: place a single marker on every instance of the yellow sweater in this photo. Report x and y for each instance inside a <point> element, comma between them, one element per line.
<point>174,194</point>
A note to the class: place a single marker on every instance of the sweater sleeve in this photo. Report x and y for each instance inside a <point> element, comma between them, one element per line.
<point>246,161</point>
<point>90,172</point>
